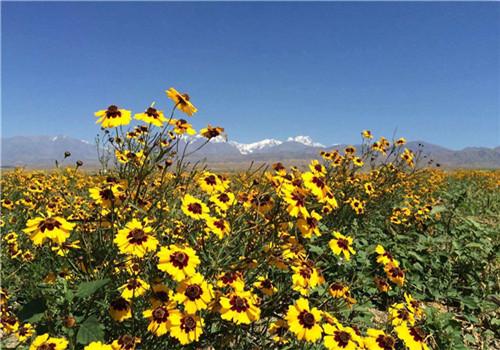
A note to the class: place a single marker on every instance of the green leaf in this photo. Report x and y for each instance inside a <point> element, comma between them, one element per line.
<point>316,249</point>
<point>86,289</point>
<point>90,330</point>
<point>33,311</point>
<point>438,209</point>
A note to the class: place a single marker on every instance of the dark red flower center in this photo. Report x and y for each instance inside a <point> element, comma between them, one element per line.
<point>417,334</point>
<point>120,304</point>
<point>179,259</point>
<point>219,224</point>
<point>343,243</point>
<point>49,224</point>
<point>152,112</point>
<point>113,112</point>
<point>211,180</point>
<point>223,198</point>
<point>342,338</point>
<point>195,208</point>
<point>137,236</point>
<point>193,292</point>
<point>160,314</point>
<point>385,342</point>
<point>188,324</point>
<point>239,304</point>
<point>306,319</point>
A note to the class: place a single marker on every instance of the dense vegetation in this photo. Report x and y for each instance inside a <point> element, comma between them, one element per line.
<point>364,250</point>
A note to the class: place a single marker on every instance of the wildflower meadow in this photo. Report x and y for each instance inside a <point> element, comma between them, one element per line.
<point>366,248</point>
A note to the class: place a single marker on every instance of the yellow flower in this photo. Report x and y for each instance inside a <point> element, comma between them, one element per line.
<point>399,313</point>
<point>181,101</point>
<point>219,227</point>
<point>223,200</point>
<point>127,156</point>
<point>9,322</point>
<point>152,116</point>
<point>339,337</point>
<point>378,340</point>
<point>240,307</point>
<point>303,321</point>
<point>194,208</point>
<point>125,342</point>
<point>265,285</point>
<point>413,337</point>
<point>317,168</point>
<point>97,345</point>
<point>309,226</point>
<point>338,290</point>
<point>296,199</point>
<point>181,126</point>
<point>316,183</point>
<point>401,142</point>
<point>231,278</point>
<point>210,183</point>
<point>44,341</point>
<point>367,134</point>
<point>194,293</point>
<point>178,261</point>
<point>120,310</point>
<point>186,328</point>
<point>54,228</point>
<point>136,239</point>
<point>342,245</point>
<point>278,331</point>
<point>160,318</point>
<point>113,117</point>
<point>210,132</point>
<point>394,273</point>
<point>161,295</point>
<point>369,190</point>
<point>384,257</point>
<point>408,156</point>
<point>305,277</point>
<point>135,287</point>
<point>356,205</point>
<point>25,332</point>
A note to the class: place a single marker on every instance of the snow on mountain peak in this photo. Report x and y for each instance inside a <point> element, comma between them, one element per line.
<point>305,140</point>
<point>247,148</point>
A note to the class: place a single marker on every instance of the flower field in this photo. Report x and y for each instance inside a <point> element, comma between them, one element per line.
<point>369,248</point>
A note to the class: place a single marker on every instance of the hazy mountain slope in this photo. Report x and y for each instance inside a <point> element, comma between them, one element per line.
<point>41,151</point>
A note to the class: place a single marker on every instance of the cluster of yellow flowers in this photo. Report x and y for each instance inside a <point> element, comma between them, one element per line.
<point>192,251</point>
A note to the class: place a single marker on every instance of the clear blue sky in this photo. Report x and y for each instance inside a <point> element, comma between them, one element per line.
<point>261,70</point>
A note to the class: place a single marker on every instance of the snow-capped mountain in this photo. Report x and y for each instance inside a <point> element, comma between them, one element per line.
<point>306,140</point>
<point>41,151</point>
<point>247,148</point>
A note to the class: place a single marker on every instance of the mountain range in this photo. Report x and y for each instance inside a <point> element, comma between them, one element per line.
<point>42,151</point>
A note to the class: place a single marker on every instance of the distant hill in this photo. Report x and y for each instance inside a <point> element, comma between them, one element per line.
<point>42,151</point>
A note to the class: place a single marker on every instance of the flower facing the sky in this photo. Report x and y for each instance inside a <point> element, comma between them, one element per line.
<point>412,336</point>
<point>378,340</point>
<point>180,262</point>
<point>45,341</point>
<point>342,245</point>
<point>54,228</point>
<point>152,116</point>
<point>194,293</point>
<point>186,328</point>
<point>338,337</point>
<point>136,239</point>
<point>113,117</point>
<point>194,208</point>
<point>240,307</point>
<point>303,321</point>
